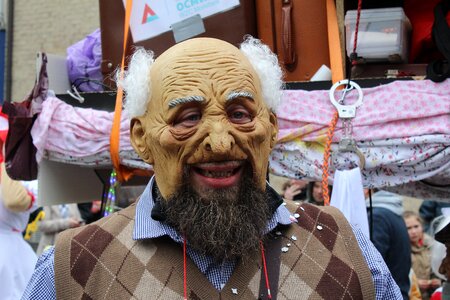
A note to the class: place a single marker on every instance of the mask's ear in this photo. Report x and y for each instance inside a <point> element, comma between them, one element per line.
<point>138,141</point>
<point>274,122</point>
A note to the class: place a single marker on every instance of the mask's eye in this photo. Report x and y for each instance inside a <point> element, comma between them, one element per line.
<point>239,114</point>
<point>188,118</point>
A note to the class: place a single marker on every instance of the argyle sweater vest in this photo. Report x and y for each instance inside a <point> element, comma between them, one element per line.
<point>102,261</point>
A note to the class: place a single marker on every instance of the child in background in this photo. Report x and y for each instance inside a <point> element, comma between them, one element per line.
<point>421,254</point>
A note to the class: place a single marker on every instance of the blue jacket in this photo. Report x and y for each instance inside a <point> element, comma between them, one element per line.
<point>390,237</point>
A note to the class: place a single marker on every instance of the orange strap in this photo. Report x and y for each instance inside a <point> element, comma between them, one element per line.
<point>123,173</point>
<point>334,43</point>
<point>337,74</point>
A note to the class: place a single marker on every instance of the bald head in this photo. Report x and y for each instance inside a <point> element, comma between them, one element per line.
<point>201,67</point>
<point>194,48</point>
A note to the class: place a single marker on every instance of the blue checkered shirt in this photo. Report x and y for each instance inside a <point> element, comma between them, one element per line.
<point>42,283</point>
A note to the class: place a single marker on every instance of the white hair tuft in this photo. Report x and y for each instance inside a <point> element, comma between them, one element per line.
<point>265,63</point>
<point>136,83</point>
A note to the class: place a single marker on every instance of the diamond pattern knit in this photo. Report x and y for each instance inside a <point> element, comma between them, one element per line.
<point>102,261</point>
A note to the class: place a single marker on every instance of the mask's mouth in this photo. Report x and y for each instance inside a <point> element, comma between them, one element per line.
<point>217,174</point>
<point>218,169</point>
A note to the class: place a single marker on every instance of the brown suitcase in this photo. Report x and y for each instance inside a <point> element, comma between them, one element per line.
<point>297,31</point>
<point>231,25</point>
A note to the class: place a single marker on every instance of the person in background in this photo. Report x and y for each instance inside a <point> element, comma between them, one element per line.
<point>57,219</point>
<point>90,211</point>
<point>315,193</point>
<point>17,201</point>
<point>390,236</point>
<point>430,210</point>
<point>295,189</point>
<point>206,225</point>
<point>420,254</point>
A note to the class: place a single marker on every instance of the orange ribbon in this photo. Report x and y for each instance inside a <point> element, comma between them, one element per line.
<point>123,173</point>
<point>337,74</point>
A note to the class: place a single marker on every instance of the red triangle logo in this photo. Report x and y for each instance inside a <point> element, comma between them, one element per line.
<point>148,14</point>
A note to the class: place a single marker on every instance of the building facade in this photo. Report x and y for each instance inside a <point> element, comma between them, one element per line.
<point>43,26</point>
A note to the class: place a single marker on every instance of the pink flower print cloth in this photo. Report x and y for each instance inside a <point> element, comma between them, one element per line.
<point>395,110</point>
<point>389,162</point>
<point>75,131</point>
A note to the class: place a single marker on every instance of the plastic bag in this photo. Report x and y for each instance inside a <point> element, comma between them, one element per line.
<point>438,250</point>
<point>84,62</point>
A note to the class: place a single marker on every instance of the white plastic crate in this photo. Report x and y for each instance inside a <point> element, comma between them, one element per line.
<point>383,34</point>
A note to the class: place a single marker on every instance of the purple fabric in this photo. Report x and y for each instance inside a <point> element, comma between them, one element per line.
<point>84,61</point>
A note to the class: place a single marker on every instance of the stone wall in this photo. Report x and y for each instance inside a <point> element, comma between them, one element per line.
<point>48,26</point>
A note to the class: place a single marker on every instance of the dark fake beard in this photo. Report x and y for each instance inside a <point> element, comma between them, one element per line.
<point>227,224</point>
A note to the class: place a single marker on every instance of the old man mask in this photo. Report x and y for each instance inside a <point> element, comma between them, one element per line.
<point>203,117</point>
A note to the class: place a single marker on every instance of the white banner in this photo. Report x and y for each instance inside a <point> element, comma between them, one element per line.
<point>150,18</point>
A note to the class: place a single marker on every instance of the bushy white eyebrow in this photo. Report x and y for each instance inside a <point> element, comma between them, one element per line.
<point>178,101</point>
<point>234,95</point>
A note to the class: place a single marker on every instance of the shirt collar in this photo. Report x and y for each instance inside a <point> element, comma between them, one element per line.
<point>147,228</point>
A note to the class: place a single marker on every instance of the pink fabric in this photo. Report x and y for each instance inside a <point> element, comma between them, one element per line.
<point>75,131</point>
<point>396,110</point>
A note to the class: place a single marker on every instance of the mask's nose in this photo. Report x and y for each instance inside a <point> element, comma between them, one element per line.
<point>219,140</point>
